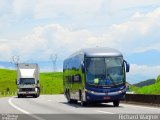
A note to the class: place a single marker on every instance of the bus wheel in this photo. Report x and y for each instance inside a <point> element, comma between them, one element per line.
<point>73,101</point>
<point>116,103</point>
<point>68,96</point>
<point>83,103</point>
<point>69,99</point>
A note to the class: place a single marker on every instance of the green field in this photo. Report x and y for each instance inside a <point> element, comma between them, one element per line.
<point>51,83</point>
<point>150,89</point>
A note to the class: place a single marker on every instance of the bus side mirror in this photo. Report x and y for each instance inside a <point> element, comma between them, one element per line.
<point>82,67</point>
<point>127,66</point>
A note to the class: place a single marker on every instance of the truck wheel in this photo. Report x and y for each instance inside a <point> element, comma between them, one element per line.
<point>38,93</point>
<point>35,96</point>
<point>23,96</point>
<point>116,103</point>
<point>19,96</point>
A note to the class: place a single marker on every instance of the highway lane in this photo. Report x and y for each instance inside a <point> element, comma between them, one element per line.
<point>57,104</point>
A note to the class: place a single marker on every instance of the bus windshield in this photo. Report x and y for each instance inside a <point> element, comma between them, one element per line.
<point>26,81</point>
<point>107,71</point>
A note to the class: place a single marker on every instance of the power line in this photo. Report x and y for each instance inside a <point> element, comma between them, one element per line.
<point>15,60</point>
<point>54,60</point>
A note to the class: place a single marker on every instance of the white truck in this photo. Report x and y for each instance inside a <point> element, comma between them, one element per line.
<point>28,80</point>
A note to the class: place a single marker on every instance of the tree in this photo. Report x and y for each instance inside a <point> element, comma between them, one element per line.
<point>158,79</point>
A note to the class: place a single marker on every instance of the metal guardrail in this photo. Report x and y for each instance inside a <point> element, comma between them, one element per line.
<point>142,98</point>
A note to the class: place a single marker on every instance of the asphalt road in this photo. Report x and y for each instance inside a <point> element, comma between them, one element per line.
<point>48,106</point>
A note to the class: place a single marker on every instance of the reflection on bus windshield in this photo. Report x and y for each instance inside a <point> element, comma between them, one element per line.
<point>104,71</point>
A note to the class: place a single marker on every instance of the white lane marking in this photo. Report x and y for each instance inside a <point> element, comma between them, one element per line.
<point>23,111</point>
<point>104,112</point>
<point>49,100</point>
<point>141,107</point>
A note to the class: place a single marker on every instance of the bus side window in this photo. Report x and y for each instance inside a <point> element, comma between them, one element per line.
<point>76,78</point>
<point>68,79</point>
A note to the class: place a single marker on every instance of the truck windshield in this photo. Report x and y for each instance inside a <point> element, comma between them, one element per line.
<point>105,71</point>
<point>26,81</point>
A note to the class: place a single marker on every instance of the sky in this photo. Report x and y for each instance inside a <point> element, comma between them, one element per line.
<point>36,29</point>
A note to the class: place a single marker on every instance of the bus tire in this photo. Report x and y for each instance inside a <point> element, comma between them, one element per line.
<point>68,96</point>
<point>73,101</point>
<point>116,103</point>
<point>83,103</point>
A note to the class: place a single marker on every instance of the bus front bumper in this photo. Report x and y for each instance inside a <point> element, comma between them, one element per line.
<point>104,97</point>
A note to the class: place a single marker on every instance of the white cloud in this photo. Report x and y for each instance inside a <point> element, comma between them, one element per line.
<point>73,11</point>
<point>140,73</point>
<point>70,8</point>
<point>23,7</point>
<point>45,40</point>
<point>131,4</point>
<point>141,31</point>
<point>87,8</point>
<point>55,38</point>
<point>150,71</point>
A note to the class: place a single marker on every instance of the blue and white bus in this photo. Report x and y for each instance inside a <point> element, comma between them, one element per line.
<point>95,75</point>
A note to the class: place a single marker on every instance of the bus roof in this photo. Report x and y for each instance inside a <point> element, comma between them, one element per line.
<point>98,52</point>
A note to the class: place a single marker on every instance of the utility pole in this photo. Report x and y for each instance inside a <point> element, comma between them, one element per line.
<point>53,60</point>
<point>15,60</point>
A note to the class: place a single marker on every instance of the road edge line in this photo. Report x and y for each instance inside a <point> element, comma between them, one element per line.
<point>104,112</point>
<point>23,111</point>
<point>141,106</point>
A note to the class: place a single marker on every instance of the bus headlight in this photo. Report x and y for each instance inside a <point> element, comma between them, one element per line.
<point>89,91</point>
<point>123,90</point>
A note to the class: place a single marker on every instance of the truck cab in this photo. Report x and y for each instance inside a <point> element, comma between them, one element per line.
<point>28,80</point>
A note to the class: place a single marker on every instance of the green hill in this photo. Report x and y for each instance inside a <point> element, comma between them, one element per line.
<point>145,83</point>
<point>51,83</point>
<point>151,89</point>
<point>7,81</point>
<point>150,86</point>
